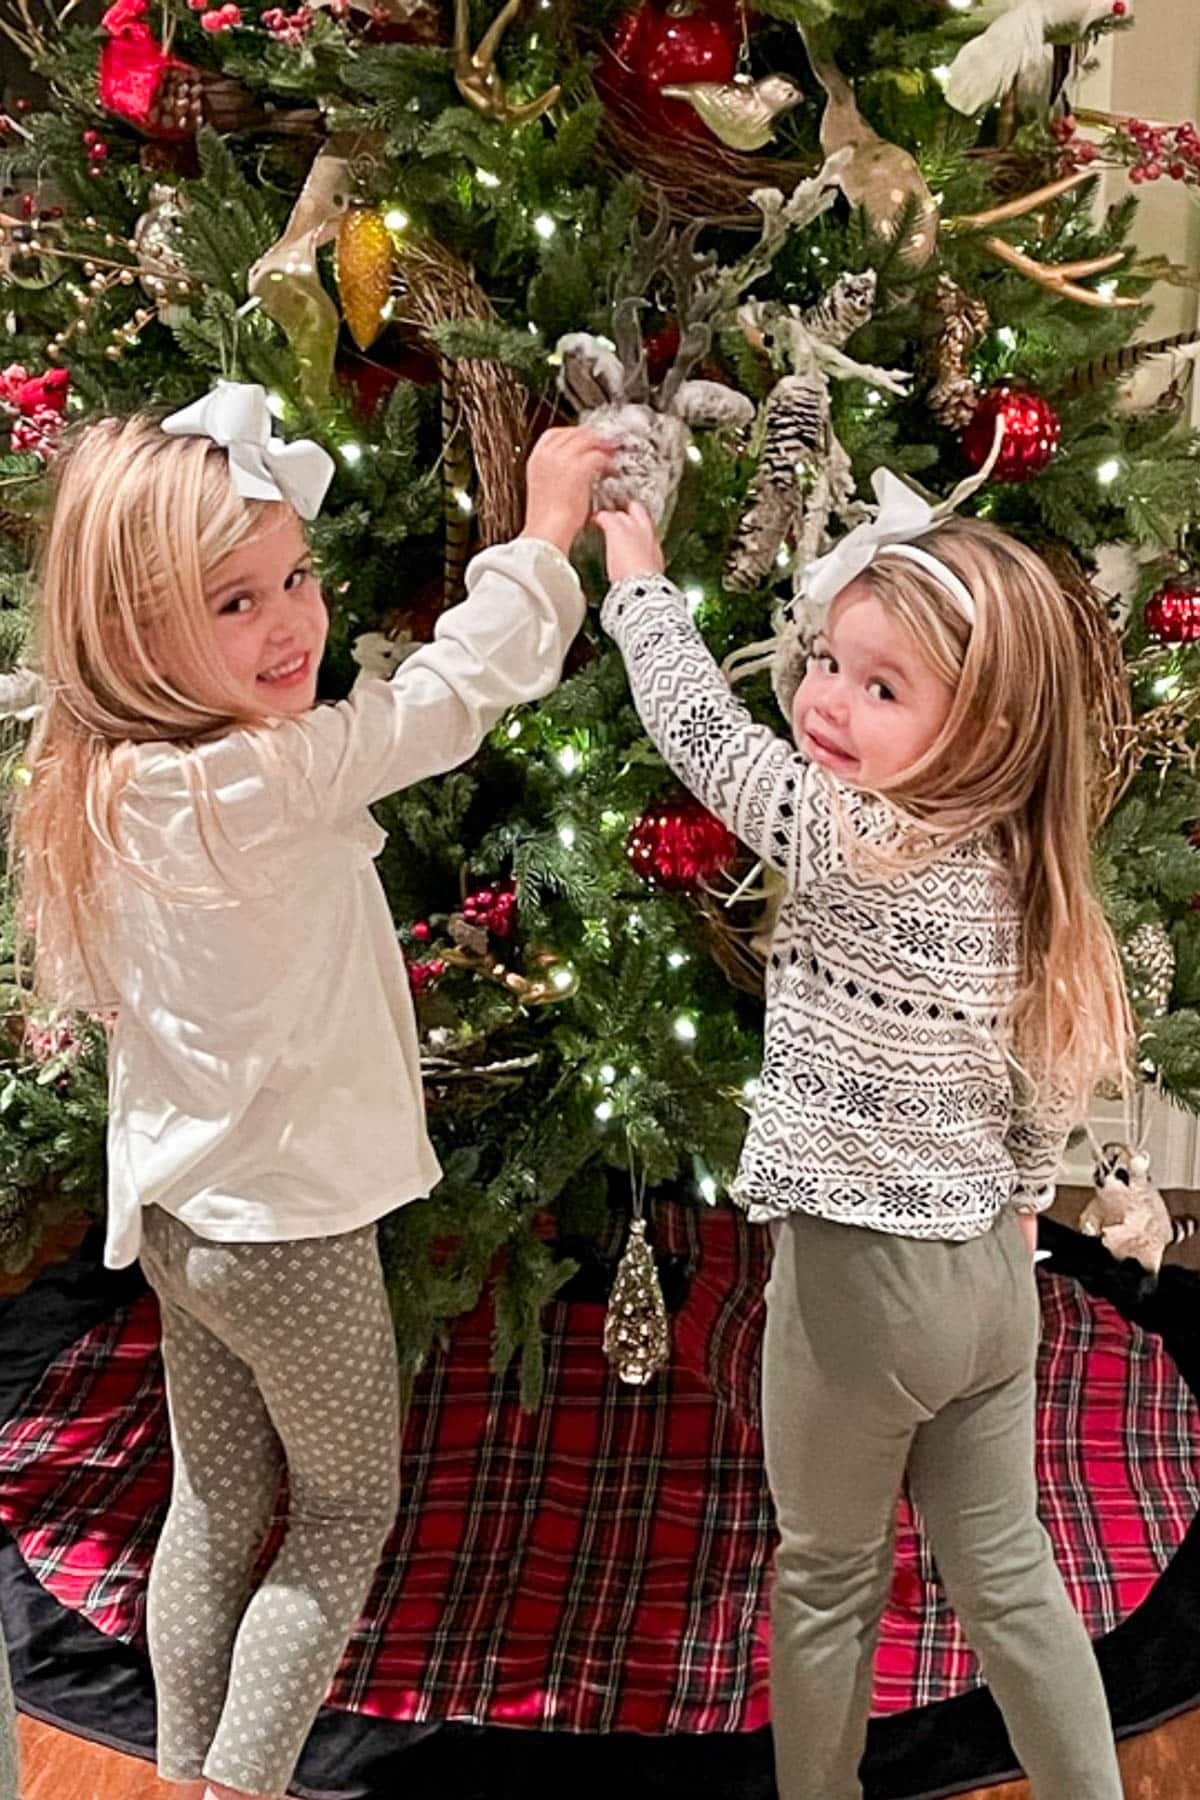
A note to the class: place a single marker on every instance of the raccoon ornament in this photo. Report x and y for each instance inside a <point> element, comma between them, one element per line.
<point>1129,1215</point>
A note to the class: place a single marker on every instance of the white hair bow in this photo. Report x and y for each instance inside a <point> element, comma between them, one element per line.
<point>901,514</point>
<point>235,415</point>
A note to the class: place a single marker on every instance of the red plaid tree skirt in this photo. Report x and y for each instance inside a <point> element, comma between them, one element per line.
<point>601,1564</point>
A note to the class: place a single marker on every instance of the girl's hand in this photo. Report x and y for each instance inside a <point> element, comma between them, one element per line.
<point>562,466</point>
<point>1029,1231</point>
<point>631,545</point>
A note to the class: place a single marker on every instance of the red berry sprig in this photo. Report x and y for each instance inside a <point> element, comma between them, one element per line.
<point>423,975</point>
<point>493,909</point>
<point>221,18</point>
<point>1148,151</point>
<point>287,28</point>
<point>96,148</point>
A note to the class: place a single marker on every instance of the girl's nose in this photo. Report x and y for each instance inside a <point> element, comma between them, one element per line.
<point>279,618</point>
<point>832,701</point>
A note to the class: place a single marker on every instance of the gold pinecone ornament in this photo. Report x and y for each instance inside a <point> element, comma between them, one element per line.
<point>637,1337</point>
<point>363,267</point>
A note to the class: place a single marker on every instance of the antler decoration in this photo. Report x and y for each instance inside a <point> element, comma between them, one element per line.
<point>1057,278</point>
<point>609,384</point>
<point>475,73</point>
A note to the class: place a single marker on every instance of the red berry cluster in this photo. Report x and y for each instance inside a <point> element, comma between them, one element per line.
<point>493,909</point>
<point>45,1042</point>
<point>38,403</point>
<point>1149,151</point>
<point>287,28</point>
<point>1159,150</point>
<point>423,975</point>
<point>97,149</point>
<point>216,18</point>
<point>36,213</point>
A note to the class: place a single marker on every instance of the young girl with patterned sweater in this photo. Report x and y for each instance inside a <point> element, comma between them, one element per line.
<point>943,994</point>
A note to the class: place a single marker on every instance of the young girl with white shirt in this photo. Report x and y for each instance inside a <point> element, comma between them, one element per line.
<point>943,994</point>
<point>198,855</point>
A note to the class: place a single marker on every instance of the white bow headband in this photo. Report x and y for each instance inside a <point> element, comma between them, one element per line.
<point>900,515</point>
<point>235,415</point>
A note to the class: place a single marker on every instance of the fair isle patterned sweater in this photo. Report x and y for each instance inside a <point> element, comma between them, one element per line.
<point>886,1099</point>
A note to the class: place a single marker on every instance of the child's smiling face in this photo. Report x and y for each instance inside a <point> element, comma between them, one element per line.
<point>869,706</point>
<point>269,620</point>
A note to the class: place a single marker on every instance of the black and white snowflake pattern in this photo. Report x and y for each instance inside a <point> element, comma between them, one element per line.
<point>885,1098</point>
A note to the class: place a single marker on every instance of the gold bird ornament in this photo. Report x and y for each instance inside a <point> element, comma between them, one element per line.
<point>742,113</point>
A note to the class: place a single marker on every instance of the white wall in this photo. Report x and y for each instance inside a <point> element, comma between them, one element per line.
<point>1153,72</point>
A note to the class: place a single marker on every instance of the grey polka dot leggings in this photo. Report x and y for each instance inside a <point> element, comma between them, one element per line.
<point>277,1356</point>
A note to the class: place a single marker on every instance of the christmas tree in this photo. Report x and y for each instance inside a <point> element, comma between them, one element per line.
<point>804,241</point>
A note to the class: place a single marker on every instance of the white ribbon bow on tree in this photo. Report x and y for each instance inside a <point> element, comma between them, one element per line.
<point>235,415</point>
<point>901,514</point>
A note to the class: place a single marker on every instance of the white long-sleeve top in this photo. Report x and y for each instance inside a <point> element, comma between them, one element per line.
<point>264,1071</point>
<point>886,1097</point>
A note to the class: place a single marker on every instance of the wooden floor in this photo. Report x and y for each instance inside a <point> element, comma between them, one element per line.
<point>1161,1765</point>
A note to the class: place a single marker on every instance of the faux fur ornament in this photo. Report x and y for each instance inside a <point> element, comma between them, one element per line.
<point>652,436</point>
<point>609,384</point>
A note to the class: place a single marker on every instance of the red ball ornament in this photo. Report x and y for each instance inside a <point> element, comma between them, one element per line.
<point>1032,429</point>
<point>678,843</point>
<point>659,45</point>
<point>1172,615</point>
<point>661,347</point>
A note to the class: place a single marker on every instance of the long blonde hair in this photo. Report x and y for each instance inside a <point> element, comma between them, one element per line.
<point>1014,758</point>
<point>138,520</point>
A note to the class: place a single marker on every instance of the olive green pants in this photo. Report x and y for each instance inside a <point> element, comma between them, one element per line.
<point>886,1356</point>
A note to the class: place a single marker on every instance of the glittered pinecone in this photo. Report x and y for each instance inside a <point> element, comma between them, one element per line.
<point>637,1337</point>
<point>156,241</point>
<point>954,400</point>
<point>1150,963</point>
<point>364,272</point>
<point>178,103</point>
<point>962,321</point>
<point>794,436</point>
